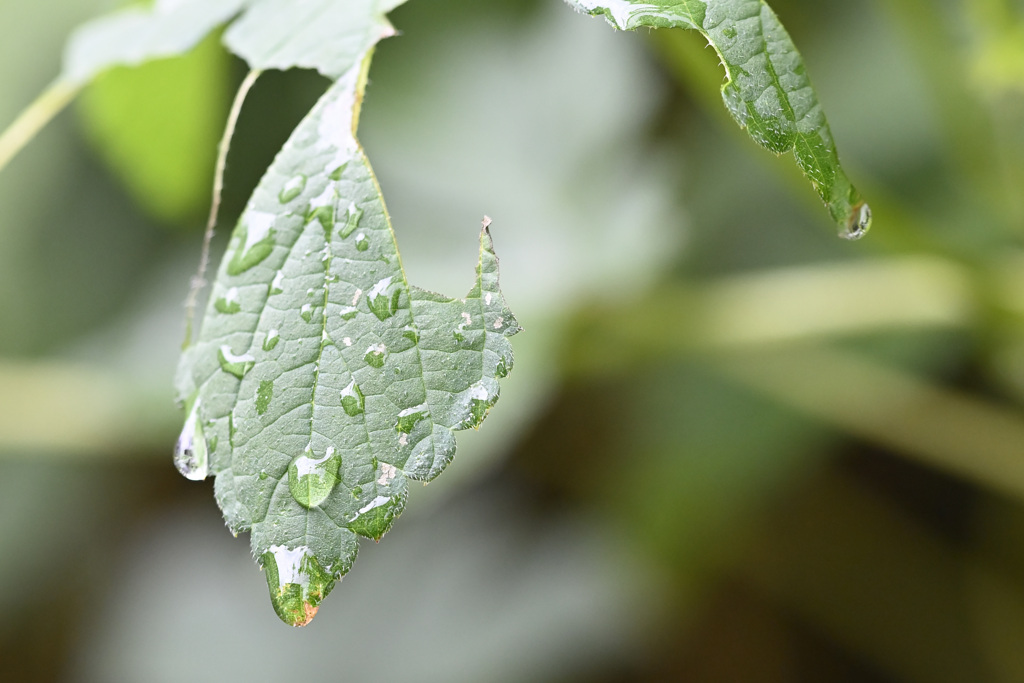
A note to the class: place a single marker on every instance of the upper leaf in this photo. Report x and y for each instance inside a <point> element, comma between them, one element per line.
<point>135,35</point>
<point>327,35</point>
<point>766,87</point>
<point>321,382</point>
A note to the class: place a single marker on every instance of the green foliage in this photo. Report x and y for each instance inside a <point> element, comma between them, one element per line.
<point>321,382</point>
<point>766,87</point>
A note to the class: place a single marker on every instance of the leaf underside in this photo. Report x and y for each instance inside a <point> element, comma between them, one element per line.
<point>766,87</point>
<point>321,382</point>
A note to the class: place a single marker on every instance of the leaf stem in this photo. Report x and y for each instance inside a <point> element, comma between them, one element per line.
<point>34,118</point>
<point>199,281</point>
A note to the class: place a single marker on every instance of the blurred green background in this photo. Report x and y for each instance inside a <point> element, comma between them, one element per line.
<point>734,448</point>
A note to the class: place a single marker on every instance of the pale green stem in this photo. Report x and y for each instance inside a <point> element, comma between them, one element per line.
<point>199,281</point>
<point>34,118</point>
<point>968,437</point>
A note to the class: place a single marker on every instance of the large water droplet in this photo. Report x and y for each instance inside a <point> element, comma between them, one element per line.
<point>352,399</point>
<point>375,355</point>
<point>264,395</point>
<point>273,337</point>
<point>190,452</point>
<point>292,189</point>
<point>352,218</point>
<point>297,581</point>
<point>229,303</point>
<point>375,518</point>
<point>256,244</point>
<point>236,365</point>
<point>312,479</point>
<point>858,224</point>
<point>383,299</point>
<point>408,418</point>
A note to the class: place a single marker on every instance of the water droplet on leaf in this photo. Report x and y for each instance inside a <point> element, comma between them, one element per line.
<point>297,582</point>
<point>256,244</point>
<point>376,517</point>
<point>311,479</point>
<point>352,218</point>
<point>408,418</point>
<point>273,337</point>
<point>229,303</point>
<point>383,299</point>
<point>859,222</point>
<point>375,355</point>
<point>292,189</point>
<point>236,365</point>
<point>352,399</point>
<point>190,452</point>
<point>277,285</point>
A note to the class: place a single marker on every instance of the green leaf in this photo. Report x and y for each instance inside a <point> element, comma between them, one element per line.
<point>322,382</point>
<point>766,87</point>
<point>326,35</point>
<point>135,35</point>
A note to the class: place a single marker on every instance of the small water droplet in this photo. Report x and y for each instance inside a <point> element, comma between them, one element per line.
<point>375,355</point>
<point>264,395</point>
<point>298,583</point>
<point>229,303</point>
<point>306,312</point>
<point>273,337</point>
<point>263,475</point>
<point>375,518</point>
<point>729,32</point>
<point>858,224</point>
<point>352,399</point>
<point>411,333</point>
<point>292,189</point>
<point>362,244</point>
<point>347,312</point>
<point>408,418</point>
<point>190,452</point>
<point>256,244</point>
<point>236,365</point>
<point>336,173</point>
<point>312,479</point>
<point>277,285</point>
<point>383,299</point>
<point>352,218</point>
<point>323,207</point>
<point>480,401</point>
